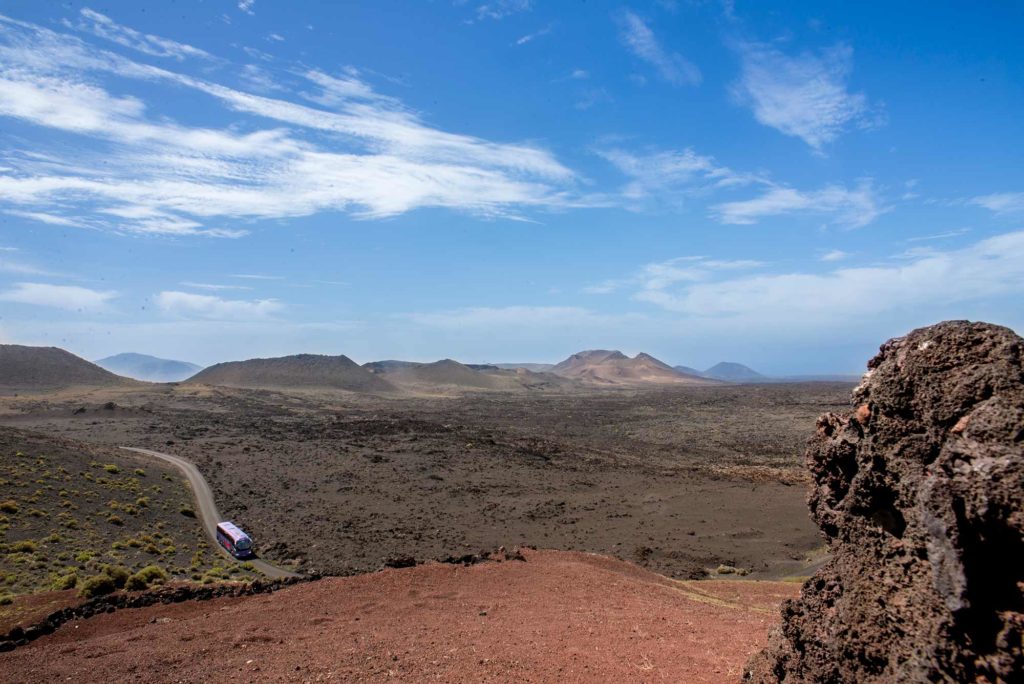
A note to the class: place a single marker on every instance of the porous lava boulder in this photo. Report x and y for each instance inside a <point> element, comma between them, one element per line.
<point>918,490</point>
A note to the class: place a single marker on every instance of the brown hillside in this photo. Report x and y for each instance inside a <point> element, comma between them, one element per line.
<point>553,617</point>
<point>29,368</point>
<point>449,374</point>
<point>603,367</point>
<point>302,371</point>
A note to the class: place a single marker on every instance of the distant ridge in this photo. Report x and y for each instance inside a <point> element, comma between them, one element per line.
<point>301,371</point>
<point>151,368</point>
<point>733,372</point>
<point>28,368</point>
<point>535,367</point>
<point>446,375</point>
<point>608,367</point>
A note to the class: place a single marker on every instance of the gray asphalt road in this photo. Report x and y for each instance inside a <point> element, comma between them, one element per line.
<point>207,511</point>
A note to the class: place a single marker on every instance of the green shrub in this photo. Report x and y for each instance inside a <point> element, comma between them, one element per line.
<point>115,520</point>
<point>24,546</point>
<point>140,472</point>
<point>187,511</point>
<point>6,600</point>
<point>118,574</point>
<point>68,581</point>
<point>146,577</point>
<point>84,556</point>
<point>9,506</point>
<point>111,468</point>
<point>142,501</point>
<point>97,585</point>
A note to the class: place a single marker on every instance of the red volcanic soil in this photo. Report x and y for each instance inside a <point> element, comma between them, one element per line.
<point>556,617</point>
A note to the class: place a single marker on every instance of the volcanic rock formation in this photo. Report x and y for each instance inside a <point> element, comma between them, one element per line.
<point>918,490</point>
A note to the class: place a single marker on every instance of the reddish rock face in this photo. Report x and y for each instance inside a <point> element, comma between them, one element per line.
<point>918,490</point>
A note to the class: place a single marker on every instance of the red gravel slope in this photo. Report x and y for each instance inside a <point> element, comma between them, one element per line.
<point>555,617</point>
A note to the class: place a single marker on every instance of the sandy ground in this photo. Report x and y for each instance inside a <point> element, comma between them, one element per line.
<point>555,617</point>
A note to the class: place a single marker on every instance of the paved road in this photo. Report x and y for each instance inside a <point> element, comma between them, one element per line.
<point>208,514</point>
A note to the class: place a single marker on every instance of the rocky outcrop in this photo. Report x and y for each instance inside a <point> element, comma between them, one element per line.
<point>918,490</point>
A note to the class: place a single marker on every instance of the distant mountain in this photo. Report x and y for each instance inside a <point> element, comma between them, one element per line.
<point>301,371</point>
<point>733,372</point>
<point>151,368</point>
<point>50,368</point>
<point>535,367</point>
<point>605,367</point>
<point>447,375</point>
<point>686,370</point>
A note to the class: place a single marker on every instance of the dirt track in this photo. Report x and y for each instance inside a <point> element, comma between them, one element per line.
<point>555,617</point>
<point>209,516</point>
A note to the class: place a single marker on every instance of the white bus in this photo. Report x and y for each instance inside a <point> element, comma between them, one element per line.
<point>232,538</point>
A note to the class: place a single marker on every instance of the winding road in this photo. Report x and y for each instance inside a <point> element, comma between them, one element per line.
<point>209,516</point>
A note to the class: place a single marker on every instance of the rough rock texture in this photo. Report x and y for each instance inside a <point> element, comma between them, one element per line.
<point>918,490</point>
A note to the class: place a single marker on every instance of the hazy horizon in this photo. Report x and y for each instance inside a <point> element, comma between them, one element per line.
<point>507,181</point>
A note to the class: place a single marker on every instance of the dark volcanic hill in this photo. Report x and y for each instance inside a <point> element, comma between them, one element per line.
<point>733,372</point>
<point>151,368</point>
<point>301,371</point>
<point>604,367</point>
<point>49,368</point>
<point>445,372</point>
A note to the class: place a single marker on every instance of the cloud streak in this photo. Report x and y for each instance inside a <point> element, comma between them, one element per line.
<point>104,27</point>
<point>67,297</point>
<point>984,270</point>
<point>639,39</point>
<point>805,96</point>
<point>851,207</point>
<point>156,175</point>
<point>191,305</point>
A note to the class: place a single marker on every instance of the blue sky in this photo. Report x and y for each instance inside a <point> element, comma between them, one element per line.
<point>508,180</point>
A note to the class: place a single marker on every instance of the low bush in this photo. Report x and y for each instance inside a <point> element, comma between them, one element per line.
<point>97,585</point>
<point>68,581</point>
<point>146,577</point>
<point>119,575</point>
<point>111,468</point>
<point>187,511</point>
<point>140,472</point>
<point>24,546</point>
<point>9,506</point>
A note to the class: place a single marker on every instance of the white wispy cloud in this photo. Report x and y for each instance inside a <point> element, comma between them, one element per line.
<point>18,267</point>
<point>834,255</point>
<point>68,297</point>
<point>656,277</point>
<point>530,37</point>
<point>638,37</point>
<point>256,276</point>
<point>1002,203</point>
<point>247,6</point>
<point>851,207</point>
<point>43,217</point>
<point>499,9</point>
<point>803,95</point>
<point>508,317</point>
<point>670,175</point>
<point>213,286</point>
<point>986,269</point>
<point>105,27</point>
<point>161,176</point>
<point>212,307</point>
